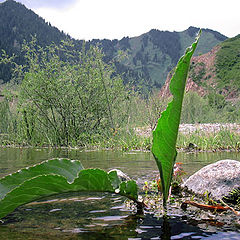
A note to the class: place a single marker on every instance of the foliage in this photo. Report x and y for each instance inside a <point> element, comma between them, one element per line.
<point>216,100</point>
<point>210,141</point>
<point>58,176</point>
<point>228,64</point>
<point>165,134</point>
<point>156,186</point>
<point>212,108</point>
<point>233,197</point>
<point>5,119</point>
<point>222,140</point>
<point>18,23</point>
<point>195,108</point>
<point>197,72</point>
<point>134,134</point>
<point>154,106</point>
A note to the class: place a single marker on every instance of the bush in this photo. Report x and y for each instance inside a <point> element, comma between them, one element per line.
<point>66,95</point>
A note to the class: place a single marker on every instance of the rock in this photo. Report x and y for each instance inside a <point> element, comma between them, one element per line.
<point>122,176</point>
<point>218,179</point>
<point>192,146</point>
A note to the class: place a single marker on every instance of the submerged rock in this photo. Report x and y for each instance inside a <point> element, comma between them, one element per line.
<point>218,179</point>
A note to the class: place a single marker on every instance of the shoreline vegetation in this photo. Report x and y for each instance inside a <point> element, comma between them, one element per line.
<point>210,137</point>
<point>204,136</point>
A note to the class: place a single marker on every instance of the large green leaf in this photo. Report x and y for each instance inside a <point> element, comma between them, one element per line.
<point>63,167</point>
<point>55,177</point>
<point>165,134</point>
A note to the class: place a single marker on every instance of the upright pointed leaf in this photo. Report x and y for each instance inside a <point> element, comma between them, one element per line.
<point>165,134</point>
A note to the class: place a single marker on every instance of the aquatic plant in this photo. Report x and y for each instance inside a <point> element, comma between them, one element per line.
<point>233,197</point>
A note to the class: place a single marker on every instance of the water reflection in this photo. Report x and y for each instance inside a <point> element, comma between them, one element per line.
<point>71,223</point>
<point>136,164</point>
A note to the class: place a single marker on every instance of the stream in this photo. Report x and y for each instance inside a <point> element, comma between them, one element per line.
<point>106,216</point>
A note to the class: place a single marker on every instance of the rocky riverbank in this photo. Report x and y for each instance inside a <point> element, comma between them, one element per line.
<point>196,128</point>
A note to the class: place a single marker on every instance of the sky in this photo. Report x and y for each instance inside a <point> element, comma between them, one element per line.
<point>115,19</point>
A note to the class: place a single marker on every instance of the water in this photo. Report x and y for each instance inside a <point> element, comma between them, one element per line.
<point>105,216</point>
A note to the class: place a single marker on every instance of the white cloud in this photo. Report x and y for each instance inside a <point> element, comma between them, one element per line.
<point>87,19</point>
<point>47,3</point>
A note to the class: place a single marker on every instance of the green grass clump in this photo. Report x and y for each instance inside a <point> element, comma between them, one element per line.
<point>222,140</point>
<point>233,197</point>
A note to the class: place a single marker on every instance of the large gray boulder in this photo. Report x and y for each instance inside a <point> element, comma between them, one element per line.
<point>218,179</point>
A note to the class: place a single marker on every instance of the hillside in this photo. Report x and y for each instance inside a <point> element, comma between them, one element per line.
<point>150,56</point>
<point>17,23</point>
<point>228,65</point>
<point>218,71</point>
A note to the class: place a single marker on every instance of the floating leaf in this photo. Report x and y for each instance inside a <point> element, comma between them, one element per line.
<point>165,134</point>
<point>55,177</point>
<point>63,167</point>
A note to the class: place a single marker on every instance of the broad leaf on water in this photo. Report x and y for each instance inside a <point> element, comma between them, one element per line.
<point>166,132</point>
<point>63,167</point>
<point>58,176</point>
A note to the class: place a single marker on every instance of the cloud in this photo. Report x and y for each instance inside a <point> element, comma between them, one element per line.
<point>34,4</point>
<point>87,19</point>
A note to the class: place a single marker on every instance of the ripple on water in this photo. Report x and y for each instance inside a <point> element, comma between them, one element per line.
<point>97,211</point>
<point>110,218</point>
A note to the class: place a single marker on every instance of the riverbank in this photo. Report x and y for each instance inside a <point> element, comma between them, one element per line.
<point>204,137</point>
<point>192,137</point>
<point>196,128</point>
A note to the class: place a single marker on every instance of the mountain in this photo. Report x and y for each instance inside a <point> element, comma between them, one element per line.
<point>216,71</point>
<point>150,56</point>
<point>17,23</point>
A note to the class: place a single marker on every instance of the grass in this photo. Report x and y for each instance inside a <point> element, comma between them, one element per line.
<point>124,140</point>
<point>129,140</point>
<point>215,141</point>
